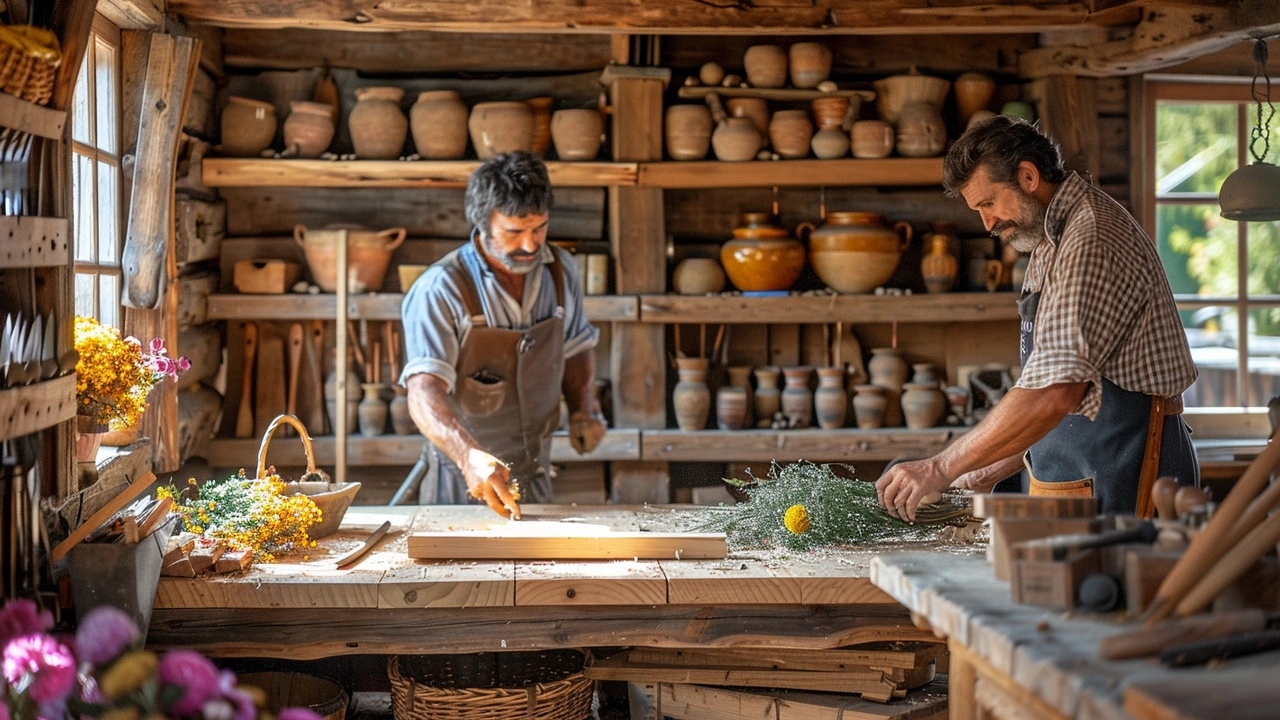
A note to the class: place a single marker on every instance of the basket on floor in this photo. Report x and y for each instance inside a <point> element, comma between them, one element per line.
<point>29,58</point>
<point>545,685</point>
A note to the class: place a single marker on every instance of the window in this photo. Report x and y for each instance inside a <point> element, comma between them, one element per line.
<point>97,215</point>
<point>1225,275</point>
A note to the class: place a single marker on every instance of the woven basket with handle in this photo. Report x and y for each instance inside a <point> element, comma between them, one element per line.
<point>332,498</point>
<point>29,59</point>
<point>546,685</point>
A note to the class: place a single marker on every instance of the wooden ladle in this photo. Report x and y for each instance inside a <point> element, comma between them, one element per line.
<point>244,415</point>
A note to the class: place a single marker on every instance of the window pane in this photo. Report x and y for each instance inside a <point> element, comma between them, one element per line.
<point>108,215</point>
<point>84,294</point>
<point>1264,355</point>
<point>1264,258</point>
<point>105,85</point>
<point>1212,334</point>
<point>82,122</point>
<point>1195,146</point>
<point>82,190</point>
<point>109,299</point>
<point>1198,248</point>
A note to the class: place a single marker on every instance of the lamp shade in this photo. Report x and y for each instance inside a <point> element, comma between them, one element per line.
<point>1251,194</point>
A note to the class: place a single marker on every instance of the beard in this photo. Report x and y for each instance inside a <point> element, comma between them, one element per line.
<point>1028,228</point>
<point>517,263</point>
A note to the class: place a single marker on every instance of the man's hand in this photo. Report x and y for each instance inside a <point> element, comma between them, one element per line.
<point>976,481</point>
<point>489,480</point>
<point>903,487</point>
<point>585,431</point>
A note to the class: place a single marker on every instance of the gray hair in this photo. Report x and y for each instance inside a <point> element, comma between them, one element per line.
<point>514,184</point>
<point>1000,144</point>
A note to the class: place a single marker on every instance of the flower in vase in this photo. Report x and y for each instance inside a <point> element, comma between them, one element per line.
<point>40,665</point>
<point>194,674</point>
<point>104,633</point>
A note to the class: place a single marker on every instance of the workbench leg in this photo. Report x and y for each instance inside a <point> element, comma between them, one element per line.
<point>645,700</point>
<point>960,684</point>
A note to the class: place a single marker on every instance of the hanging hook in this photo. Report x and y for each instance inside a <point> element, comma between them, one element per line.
<point>1262,128</point>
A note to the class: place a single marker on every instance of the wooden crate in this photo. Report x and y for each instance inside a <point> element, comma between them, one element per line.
<point>266,277</point>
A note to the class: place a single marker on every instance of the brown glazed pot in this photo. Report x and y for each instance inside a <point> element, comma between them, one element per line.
<point>829,113</point>
<point>810,64</point>
<point>378,126</point>
<point>831,400</point>
<point>541,107</point>
<point>856,252</point>
<point>797,398</point>
<point>577,133</point>
<point>924,405</point>
<point>691,397</point>
<point>872,139</point>
<point>500,127</point>
<point>768,398</point>
<point>938,266</point>
<point>766,66</point>
<point>736,140</point>
<point>248,127</point>
<point>869,406</point>
<point>309,127</point>
<point>688,131</point>
<point>790,132</point>
<point>973,93</point>
<point>439,123</point>
<point>762,256</point>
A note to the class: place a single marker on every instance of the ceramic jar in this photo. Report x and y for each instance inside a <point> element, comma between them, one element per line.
<point>790,132</point>
<point>577,133</point>
<point>869,406</point>
<point>829,113</point>
<point>736,140</point>
<point>541,108</point>
<point>768,398</point>
<point>439,124</point>
<point>371,413</point>
<point>353,396</point>
<point>740,377</point>
<point>938,266</point>
<point>766,66</point>
<point>368,256</point>
<point>923,404</point>
<point>973,93</point>
<point>688,131</point>
<point>309,127</point>
<point>248,127</point>
<point>872,139</point>
<point>925,374</point>
<point>401,421</point>
<point>829,144</point>
<point>761,256</point>
<point>754,108</point>
<point>500,127</point>
<point>810,64</point>
<point>711,73</point>
<point>894,93</point>
<point>378,126</point>
<point>698,276</point>
<point>856,252</point>
<point>731,407</point>
<point>921,131</point>
<point>831,401</point>
<point>797,398</point>
<point>888,370</point>
<point>691,398</point>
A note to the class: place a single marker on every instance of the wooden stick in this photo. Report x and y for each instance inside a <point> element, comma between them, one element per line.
<point>1254,514</point>
<point>676,334</point>
<point>354,339</point>
<point>377,361</point>
<point>702,340</point>
<point>393,352</point>
<point>104,514</point>
<point>715,347</point>
<point>839,337</point>
<point>826,343</point>
<point>1231,567</point>
<point>1141,642</point>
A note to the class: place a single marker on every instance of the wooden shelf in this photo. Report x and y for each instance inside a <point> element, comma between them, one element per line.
<point>376,306</point>
<point>257,172</point>
<point>849,172</point>
<point>26,116</point>
<point>394,450</point>
<point>29,242</point>
<point>942,307</point>
<point>843,445</point>
<point>30,408</point>
<point>696,92</point>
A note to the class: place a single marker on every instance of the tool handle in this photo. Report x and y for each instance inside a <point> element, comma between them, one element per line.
<point>1144,532</point>
<point>1198,653</point>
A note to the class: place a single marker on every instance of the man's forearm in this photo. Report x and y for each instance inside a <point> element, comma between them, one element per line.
<point>1021,418</point>
<point>432,410</point>
<point>577,386</point>
<point>985,478</point>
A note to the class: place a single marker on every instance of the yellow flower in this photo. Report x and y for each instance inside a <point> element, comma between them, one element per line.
<point>796,519</point>
<point>127,674</point>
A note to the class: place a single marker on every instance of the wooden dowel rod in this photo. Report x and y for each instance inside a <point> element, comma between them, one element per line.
<point>1254,514</point>
<point>675,331</point>
<point>715,348</point>
<point>826,345</point>
<point>1231,567</point>
<point>702,340</point>
<point>354,339</point>
<point>839,342</point>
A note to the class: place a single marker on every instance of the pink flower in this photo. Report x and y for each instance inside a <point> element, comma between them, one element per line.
<point>165,366</point>
<point>41,663</point>
<point>4,711</point>
<point>157,345</point>
<point>22,617</point>
<point>194,674</point>
<point>104,633</point>
<point>297,713</point>
<point>184,363</point>
<point>133,341</point>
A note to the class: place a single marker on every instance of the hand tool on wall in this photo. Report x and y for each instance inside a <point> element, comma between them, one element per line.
<point>295,365</point>
<point>269,396</point>
<point>244,415</point>
<point>315,420</point>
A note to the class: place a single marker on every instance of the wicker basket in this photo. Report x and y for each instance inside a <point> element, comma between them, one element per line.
<point>491,686</point>
<point>331,498</point>
<point>29,59</point>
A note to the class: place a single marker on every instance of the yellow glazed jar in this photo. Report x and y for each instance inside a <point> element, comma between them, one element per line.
<point>762,257</point>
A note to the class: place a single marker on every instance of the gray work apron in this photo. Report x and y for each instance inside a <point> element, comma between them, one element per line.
<point>508,396</point>
<point>1105,454</point>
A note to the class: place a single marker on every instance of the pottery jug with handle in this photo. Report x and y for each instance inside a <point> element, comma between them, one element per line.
<point>368,255</point>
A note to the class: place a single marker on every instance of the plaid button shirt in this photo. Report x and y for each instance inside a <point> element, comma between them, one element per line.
<point>1106,309</point>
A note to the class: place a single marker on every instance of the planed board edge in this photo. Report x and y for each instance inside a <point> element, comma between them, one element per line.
<point>1009,505</point>
<point>614,546</point>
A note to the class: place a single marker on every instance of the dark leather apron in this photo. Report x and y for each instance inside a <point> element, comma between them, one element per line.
<point>1103,458</point>
<point>508,395</point>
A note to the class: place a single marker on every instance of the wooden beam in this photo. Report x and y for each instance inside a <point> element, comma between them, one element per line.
<point>133,14</point>
<point>845,444</point>
<point>552,541</point>
<point>30,242</point>
<point>72,23</point>
<point>783,173</point>
<point>25,409</point>
<point>931,308</point>
<point>257,172</point>
<point>19,114</point>
<point>1068,110</point>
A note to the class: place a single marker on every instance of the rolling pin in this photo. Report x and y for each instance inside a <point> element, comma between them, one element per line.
<point>244,416</point>
<point>1142,642</point>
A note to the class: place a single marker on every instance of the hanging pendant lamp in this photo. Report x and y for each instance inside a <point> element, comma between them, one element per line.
<point>1252,193</point>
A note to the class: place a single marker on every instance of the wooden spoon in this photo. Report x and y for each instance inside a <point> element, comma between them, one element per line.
<point>295,364</point>
<point>244,416</point>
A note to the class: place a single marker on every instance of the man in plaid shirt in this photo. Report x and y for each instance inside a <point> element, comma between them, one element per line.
<point>1103,350</point>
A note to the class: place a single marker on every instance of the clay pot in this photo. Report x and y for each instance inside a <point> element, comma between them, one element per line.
<point>762,256</point>
<point>378,126</point>
<point>829,113</point>
<point>894,93</point>
<point>401,422</point>
<point>768,398</point>
<point>831,401</point>
<point>888,370</point>
<point>688,131</point>
<point>925,374</point>
<point>921,130</point>
<point>829,144</point>
<point>754,108</point>
<point>810,64</point>
<point>248,127</point>
<point>797,398</point>
<point>924,405</point>
<point>577,133</point>
<point>857,252</point>
<point>309,127</point>
<point>371,413</point>
<point>368,255</point>
<point>731,408</point>
<point>766,66</point>
<point>740,377</point>
<point>736,140</point>
<point>500,127</point>
<point>872,139</point>
<point>790,132</point>
<point>938,266</point>
<point>353,397</point>
<point>973,93</point>
<point>869,406</point>
<point>541,108</point>
<point>691,398</point>
<point>711,73</point>
<point>698,276</point>
<point>439,123</point>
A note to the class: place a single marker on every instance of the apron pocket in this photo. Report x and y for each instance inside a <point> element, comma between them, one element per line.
<point>1068,489</point>
<point>480,399</point>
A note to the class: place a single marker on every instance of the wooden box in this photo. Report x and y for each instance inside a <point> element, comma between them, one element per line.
<point>1007,531</point>
<point>992,505</point>
<point>266,277</point>
<point>1049,583</point>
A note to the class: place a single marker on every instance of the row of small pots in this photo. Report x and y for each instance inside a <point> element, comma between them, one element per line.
<point>440,123</point>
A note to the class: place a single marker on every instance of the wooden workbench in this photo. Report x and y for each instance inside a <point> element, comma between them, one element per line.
<point>1020,661</point>
<point>307,608</point>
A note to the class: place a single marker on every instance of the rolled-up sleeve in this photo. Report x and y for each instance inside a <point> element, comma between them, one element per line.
<point>432,329</point>
<point>579,334</point>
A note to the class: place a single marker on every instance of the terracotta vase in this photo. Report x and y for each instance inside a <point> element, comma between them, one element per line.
<point>309,127</point>
<point>401,421</point>
<point>541,107</point>
<point>698,276</point>
<point>368,256</point>
<point>810,64</point>
<point>766,66</point>
<point>353,397</point>
<point>688,131</point>
<point>938,266</point>
<point>248,127</point>
<point>797,398</point>
<point>857,252</point>
<point>869,406</point>
<point>439,123</point>
<point>378,126</point>
<point>768,398</point>
<point>925,374</point>
<point>872,139</point>
<point>88,438</point>
<point>888,370</point>
<point>973,93</point>
<point>735,140</point>
<point>830,113</point>
<point>500,127</point>
<point>921,131</point>
<point>829,144</point>
<point>924,405</point>
<point>371,413</point>
<point>762,256</point>
<point>731,408</point>
<point>691,398</point>
<point>831,400</point>
<point>740,376</point>
<point>754,108</point>
<point>790,132</point>
<point>121,438</point>
<point>894,93</point>
<point>577,133</point>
